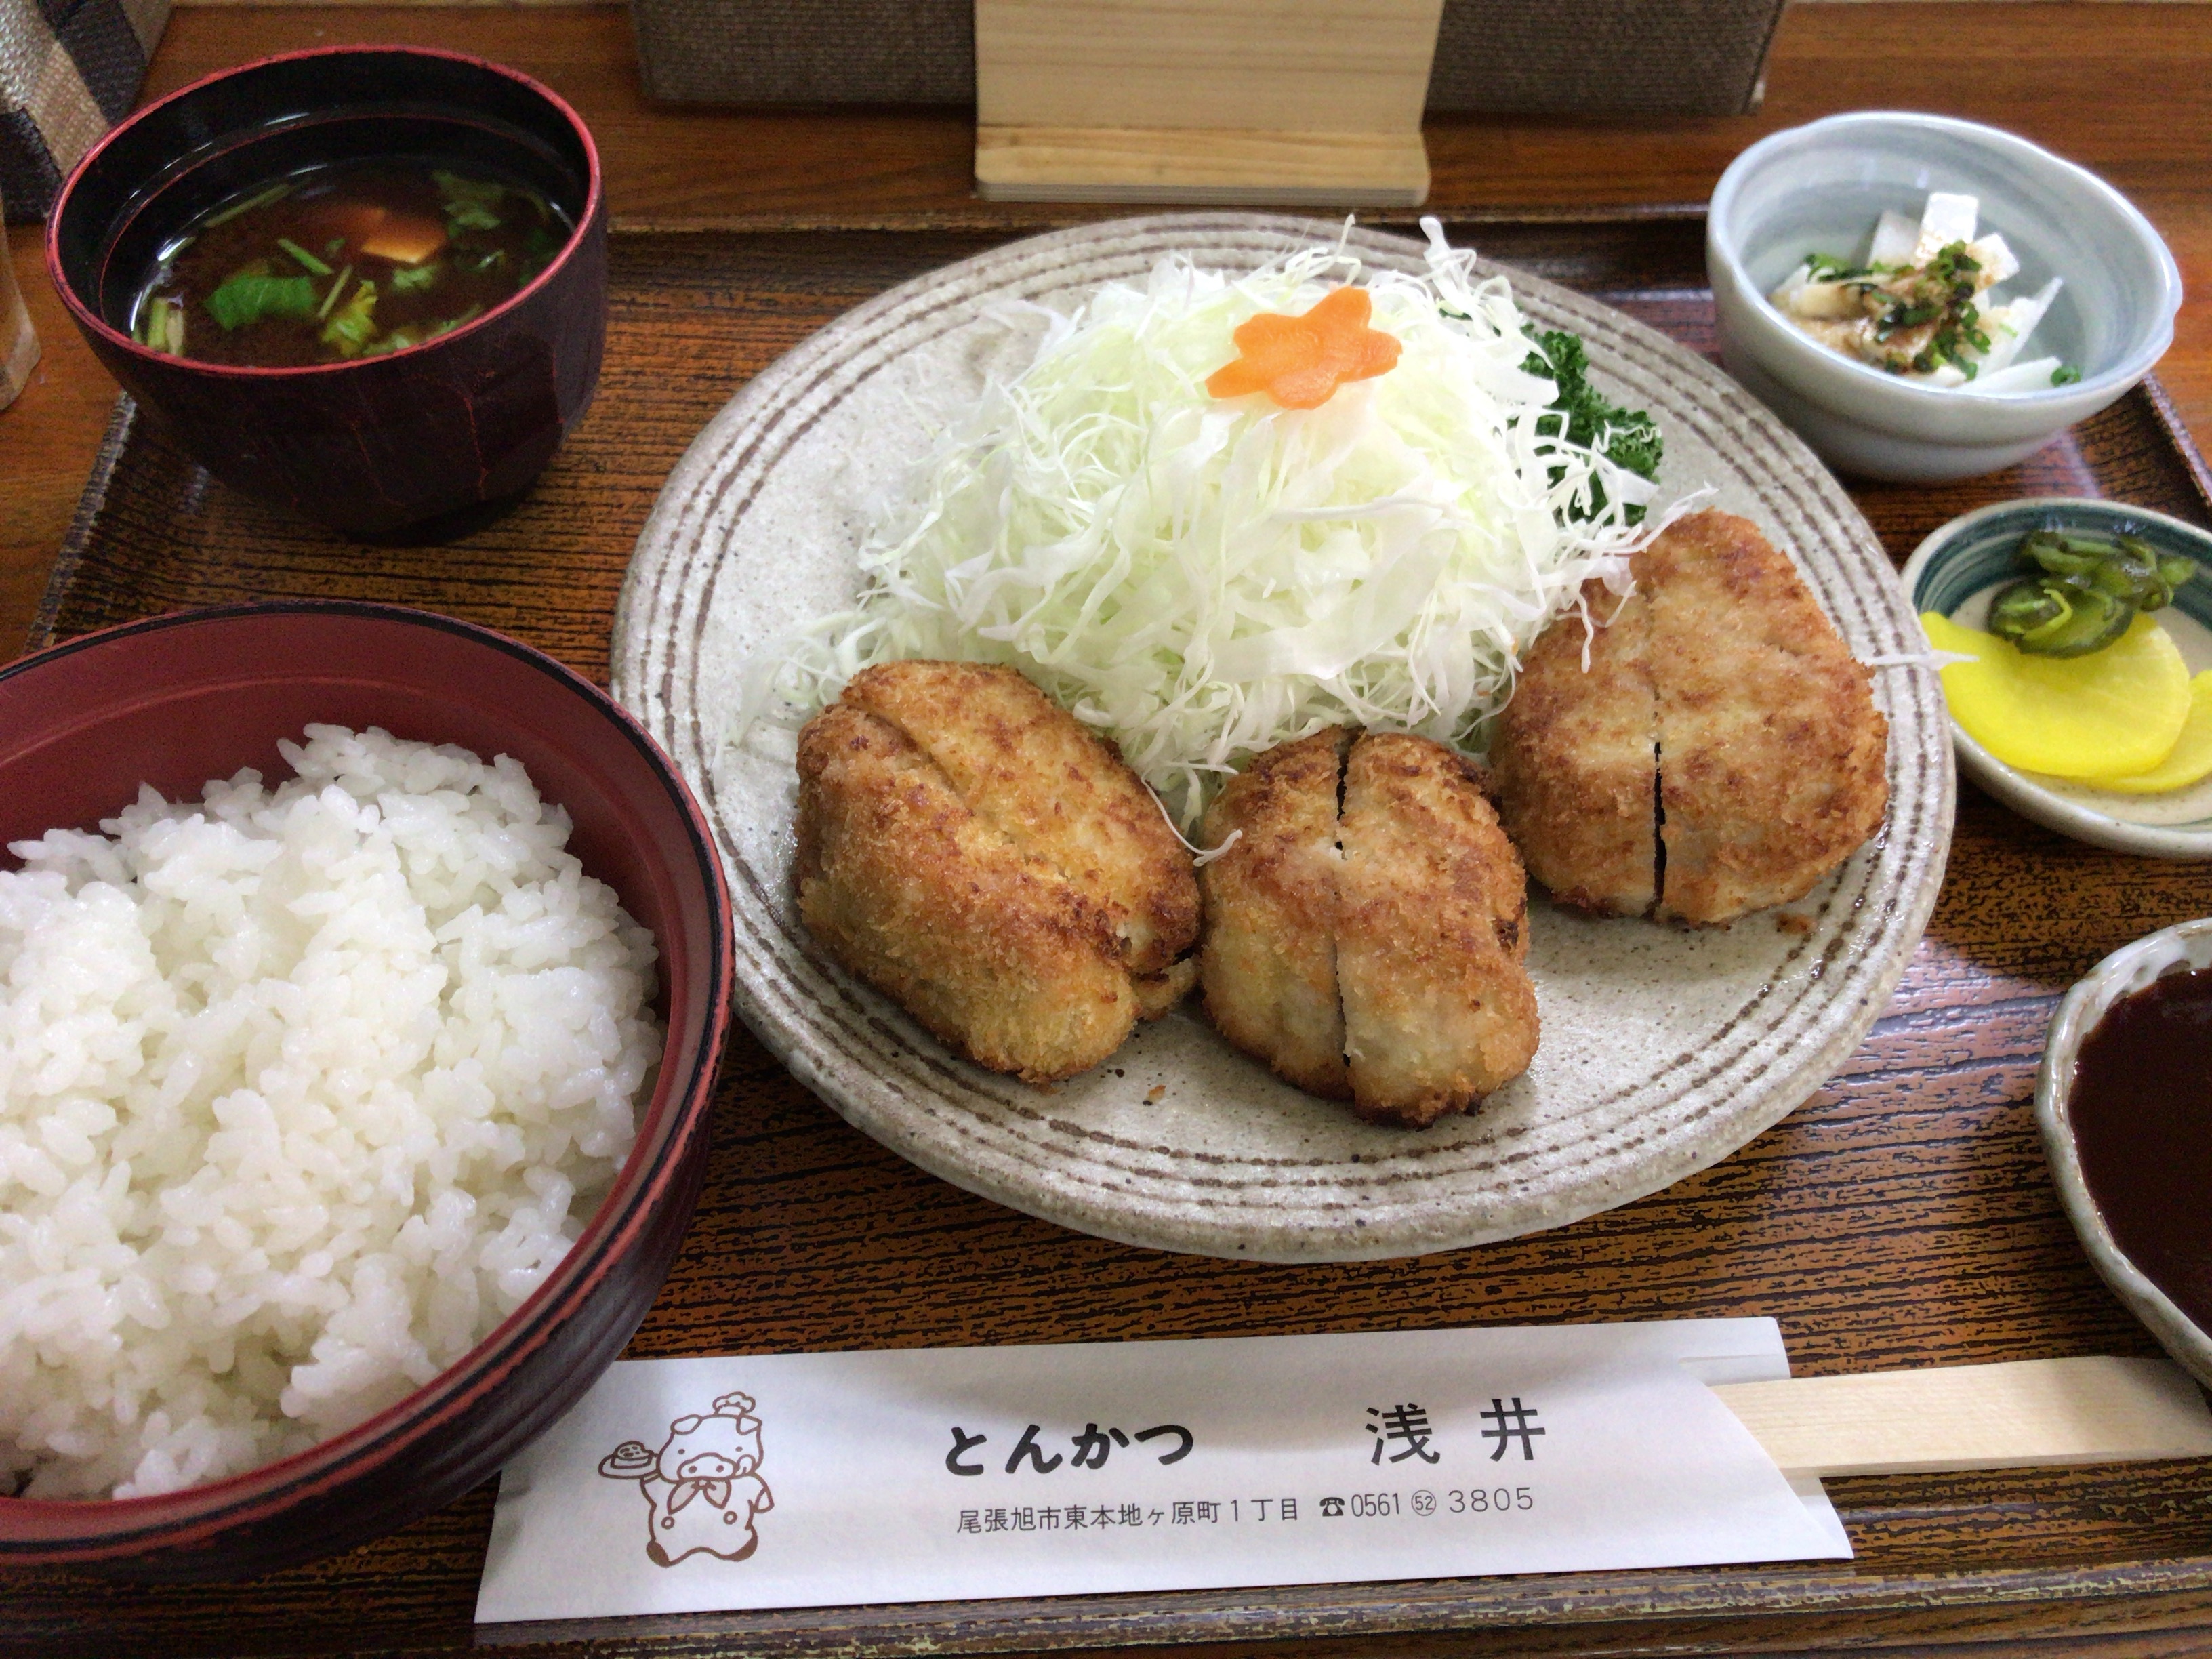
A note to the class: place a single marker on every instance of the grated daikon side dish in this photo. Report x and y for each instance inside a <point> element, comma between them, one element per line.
<point>1922,305</point>
<point>1202,579</point>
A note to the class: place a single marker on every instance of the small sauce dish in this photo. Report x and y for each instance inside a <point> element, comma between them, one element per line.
<point>1954,571</point>
<point>1820,188</point>
<point>2115,1132</point>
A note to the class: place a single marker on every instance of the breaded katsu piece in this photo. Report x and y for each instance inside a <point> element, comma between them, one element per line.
<point>967,846</point>
<point>1158,994</point>
<point>1765,762</point>
<point>989,946</point>
<point>1772,757</point>
<point>1052,788</point>
<point>1586,826</point>
<point>1371,952</point>
<point>1269,964</point>
<point>1432,932</point>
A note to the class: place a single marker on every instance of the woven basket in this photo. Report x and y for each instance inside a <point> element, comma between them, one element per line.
<point>69,70</point>
<point>1584,57</point>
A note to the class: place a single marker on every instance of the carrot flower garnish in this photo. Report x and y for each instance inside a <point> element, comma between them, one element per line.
<point>1300,362</point>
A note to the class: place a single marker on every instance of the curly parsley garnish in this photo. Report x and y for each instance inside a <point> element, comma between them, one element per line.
<point>1628,438</point>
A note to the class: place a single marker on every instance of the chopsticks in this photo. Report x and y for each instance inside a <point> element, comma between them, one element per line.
<point>2028,1412</point>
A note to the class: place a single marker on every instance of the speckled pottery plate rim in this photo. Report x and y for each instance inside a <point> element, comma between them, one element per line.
<point>1664,1051</point>
<point>2019,790</point>
<point>2129,968</point>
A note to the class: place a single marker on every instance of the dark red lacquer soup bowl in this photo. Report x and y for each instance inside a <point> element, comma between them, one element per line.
<point>178,700</point>
<point>380,443</point>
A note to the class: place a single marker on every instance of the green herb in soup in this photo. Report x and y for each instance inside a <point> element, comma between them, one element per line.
<point>348,261</point>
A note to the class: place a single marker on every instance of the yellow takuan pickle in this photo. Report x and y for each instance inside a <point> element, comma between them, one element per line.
<point>2192,759</point>
<point>2112,714</point>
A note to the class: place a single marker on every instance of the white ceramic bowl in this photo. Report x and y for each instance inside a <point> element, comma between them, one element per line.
<point>2129,968</point>
<point>1820,188</point>
<point>1953,573</point>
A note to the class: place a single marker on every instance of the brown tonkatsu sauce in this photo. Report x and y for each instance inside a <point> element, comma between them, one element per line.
<point>2142,1106</point>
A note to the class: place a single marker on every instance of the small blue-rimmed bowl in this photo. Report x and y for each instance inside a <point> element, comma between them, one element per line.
<point>1954,572</point>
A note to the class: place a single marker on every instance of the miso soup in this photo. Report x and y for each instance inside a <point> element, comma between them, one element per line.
<point>350,260</point>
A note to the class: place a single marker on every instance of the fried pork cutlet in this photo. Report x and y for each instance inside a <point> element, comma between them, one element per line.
<point>1369,949</point>
<point>1772,757</point>
<point>1589,830</point>
<point>1766,764</point>
<point>1268,966</point>
<point>1432,930</point>
<point>1051,787</point>
<point>1026,963</point>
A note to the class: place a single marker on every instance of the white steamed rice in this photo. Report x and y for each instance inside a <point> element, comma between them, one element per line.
<point>302,1092</point>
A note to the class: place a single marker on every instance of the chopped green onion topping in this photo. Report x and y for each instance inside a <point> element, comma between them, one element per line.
<point>337,287</point>
<point>315,267</point>
<point>274,193</point>
<point>161,325</point>
<point>1828,268</point>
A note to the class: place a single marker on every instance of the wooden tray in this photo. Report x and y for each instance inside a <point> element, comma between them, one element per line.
<point>1901,1217</point>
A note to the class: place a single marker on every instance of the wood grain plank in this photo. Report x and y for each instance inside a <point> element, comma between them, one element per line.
<point>1279,65</point>
<point>1125,164</point>
<point>48,438</point>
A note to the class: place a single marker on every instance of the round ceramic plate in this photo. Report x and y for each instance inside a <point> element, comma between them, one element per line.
<point>1663,1050</point>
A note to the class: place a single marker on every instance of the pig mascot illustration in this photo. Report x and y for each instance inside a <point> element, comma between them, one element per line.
<point>702,1487</point>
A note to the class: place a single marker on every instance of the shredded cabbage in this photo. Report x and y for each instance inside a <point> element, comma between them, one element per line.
<point>1202,579</point>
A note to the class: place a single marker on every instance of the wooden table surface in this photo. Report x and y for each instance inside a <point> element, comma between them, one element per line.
<point>823,1239</point>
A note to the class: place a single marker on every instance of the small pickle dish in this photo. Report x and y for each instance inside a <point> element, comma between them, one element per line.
<point>1955,572</point>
